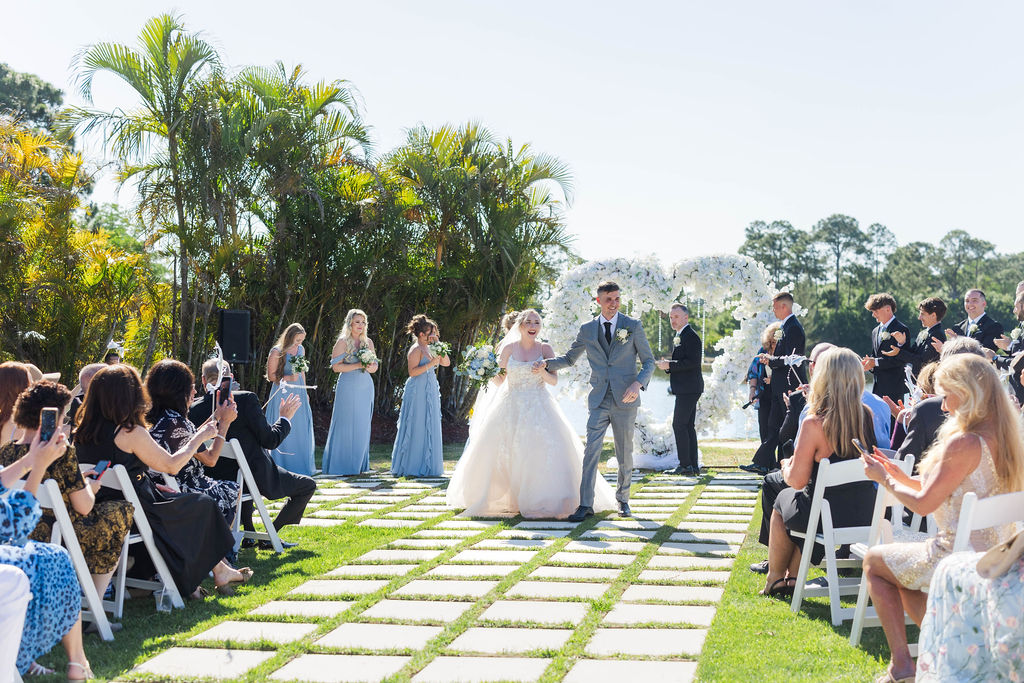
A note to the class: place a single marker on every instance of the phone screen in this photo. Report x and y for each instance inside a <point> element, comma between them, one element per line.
<point>860,447</point>
<point>224,394</point>
<point>100,468</point>
<point>47,423</point>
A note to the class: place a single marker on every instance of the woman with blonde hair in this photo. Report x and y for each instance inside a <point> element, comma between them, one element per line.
<point>835,417</point>
<point>286,365</point>
<point>979,449</point>
<point>347,450</point>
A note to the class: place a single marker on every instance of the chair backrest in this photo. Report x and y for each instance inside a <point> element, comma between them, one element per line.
<point>838,473</point>
<point>984,513</point>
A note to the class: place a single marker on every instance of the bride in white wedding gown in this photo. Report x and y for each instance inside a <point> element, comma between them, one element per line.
<point>523,457</point>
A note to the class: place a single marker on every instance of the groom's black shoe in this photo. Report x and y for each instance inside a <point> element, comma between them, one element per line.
<point>581,514</point>
<point>684,471</point>
<point>624,510</point>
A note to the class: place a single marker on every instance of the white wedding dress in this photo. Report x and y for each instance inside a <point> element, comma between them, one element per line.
<point>523,456</point>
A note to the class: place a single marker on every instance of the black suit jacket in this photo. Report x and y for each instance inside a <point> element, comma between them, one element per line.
<point>922,427</point>
<point>793,342</point>
<point>256,437</point>
<point>988,329</point>
<point>684,375</point>
<point>920,354</point>
<point>890,378</point>
<point>1004,362</point>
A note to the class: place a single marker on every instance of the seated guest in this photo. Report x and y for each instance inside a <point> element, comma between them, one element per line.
<point>55,611</point>
<point>836,416</point>
<point>15,594</point>
<point>978,325</point>
<point>171,388</point>
<point>979,449</point>
<point>14,379</point>
<point>112,357</point>
<point>972,628</point>
<point>188,529</point>
<point>902,414</point>
<point>924,349</point>
<point>257,437</point>
<point>101,527</point>
<point>78,394</point>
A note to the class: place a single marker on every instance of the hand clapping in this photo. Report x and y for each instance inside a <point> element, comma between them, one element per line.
<point>539,365</point>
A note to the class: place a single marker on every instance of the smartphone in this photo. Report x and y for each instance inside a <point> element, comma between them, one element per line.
<point>860,447</point>
<point>100,469</point>
<point>224,394</point>
<point>47,424</point>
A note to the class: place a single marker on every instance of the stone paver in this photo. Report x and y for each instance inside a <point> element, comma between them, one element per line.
<point>425,542</point>
<point>461,589</point>
<point>417,610</point>
<point>707,537</point>
<point>513,543</point>
<point>689,562</point>
<point>713,526</point>
<point>467,524</point>
<point>191,663</point>
<point>649,642</point>
<point>252,631</point>
<point>534,533</point>
<point>509,640</point>
<point>631,613</point>
<point>317,521</point>
<point>446,533</point>
<point>372,570</point>
<point>680,576</point>
<point>698,548</point>
<point>553,613</point>
<point>617,671</point>
<point>473,669</point>
<point>602,547</point>
<point>592,558</point>
<point>672,594</point>
<point>558,589</point>
<point>303,608</point>
<point>337,668</point>
<point>379,522</point>
<point>574,573</point>
<point>631,523</point>
<point>339,587</point>
<point>495,556</point>
<point>465,570</point>
<point>546,524</point>
<point>641,535</point>
<point>380,636</point>
<point>385,555</point>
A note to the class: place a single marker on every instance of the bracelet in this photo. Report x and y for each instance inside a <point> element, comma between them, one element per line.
<point>219,436</point>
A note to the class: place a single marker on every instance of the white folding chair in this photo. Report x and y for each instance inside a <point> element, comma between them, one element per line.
<point>984,513</point>
<point>121,481</point>
<point>248,490</point>
<point>830,474</point>
<point>48,495</point>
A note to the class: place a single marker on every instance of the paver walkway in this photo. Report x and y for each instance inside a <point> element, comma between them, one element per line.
<point>457,599</point>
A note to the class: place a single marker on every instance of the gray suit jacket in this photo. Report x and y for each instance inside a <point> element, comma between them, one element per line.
<point>612,366</point>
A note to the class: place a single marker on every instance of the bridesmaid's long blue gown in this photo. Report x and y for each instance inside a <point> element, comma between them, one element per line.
<point>417,451</point>
<point>348,441</point>
<point>295,453</point>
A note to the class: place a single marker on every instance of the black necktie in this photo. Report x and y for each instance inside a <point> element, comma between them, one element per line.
<point>608,332</point>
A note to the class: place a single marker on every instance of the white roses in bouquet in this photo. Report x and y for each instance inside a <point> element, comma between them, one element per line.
<point>366,357</point>
<point>479,364</point>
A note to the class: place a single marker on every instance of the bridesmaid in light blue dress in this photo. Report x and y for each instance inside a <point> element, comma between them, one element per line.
<point>417,450</point>
<point>295,453</point>
<point>348,441</point>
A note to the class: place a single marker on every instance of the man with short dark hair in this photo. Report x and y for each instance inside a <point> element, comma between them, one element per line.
<point>978,324</point>
<point>687,384</point>
<point>887,368</point>
<point>925,348</point>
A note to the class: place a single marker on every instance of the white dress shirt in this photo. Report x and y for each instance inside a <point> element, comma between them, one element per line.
<point>614,321</point>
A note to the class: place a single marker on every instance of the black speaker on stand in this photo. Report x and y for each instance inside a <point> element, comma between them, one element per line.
<point>233,335</point>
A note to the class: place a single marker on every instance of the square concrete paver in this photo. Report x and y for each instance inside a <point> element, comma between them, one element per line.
<point>683,576</point>
<point>468,523</point>
<point>513,544</point>
<point>593,558</point>
<point>536,611</point>
<point>694,525</point>
<point>534,533</point>
<point>557,589</point>
<point>638,535</point>
<point>252,631</point>
<point>672,594</point>
<point>372,570</point>
<point>602,547</point>
<point>719,549</point>
<point>337,668</point>
<point>387,522</point>
<point>617,671</point>
<point>425,542</point>
<point>575,573</point>
<point>386,555</point>
<point>434,611</point>
<point>472,570</point>
<point>380,636</point>
<point>648,642</point>
<point>474,669</point>
<point>630,613</point>
<point>318,521</point>
<point>446,533</point>
<point>689,562</point>
<point>339,587</point>
<point>191,662</point>
<point>631,523</point>
<point>707,537</point>
<point>303,608</point>
<point>459,589</point>
<point>495,556</point>
<point>546,524</point>
<point>510,640</point>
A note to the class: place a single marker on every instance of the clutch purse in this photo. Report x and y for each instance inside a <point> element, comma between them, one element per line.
<point>999,558</point>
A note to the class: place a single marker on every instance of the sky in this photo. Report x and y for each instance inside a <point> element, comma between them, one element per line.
<point>682,121</point>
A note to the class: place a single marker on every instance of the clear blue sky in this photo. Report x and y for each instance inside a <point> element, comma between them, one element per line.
<point>682,121</point>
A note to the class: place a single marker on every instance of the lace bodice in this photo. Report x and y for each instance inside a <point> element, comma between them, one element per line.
<point>520,375</point>
<point>984,483</point>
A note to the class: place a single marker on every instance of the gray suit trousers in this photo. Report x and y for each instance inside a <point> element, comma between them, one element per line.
<point>621,420</point>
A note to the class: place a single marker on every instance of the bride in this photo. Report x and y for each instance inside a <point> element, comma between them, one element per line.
<point>523,456</point>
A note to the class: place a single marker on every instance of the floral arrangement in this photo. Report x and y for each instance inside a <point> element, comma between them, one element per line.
<point>366,357</point>
<point>973,329</point>
<point>724,281</point>
<point>300,364</point>
<point>884,336</point>
<point>440,349</point>
<point>479,364</point>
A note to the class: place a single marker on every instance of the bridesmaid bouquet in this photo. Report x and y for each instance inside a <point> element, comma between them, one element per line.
<point>479,364</point>
<point>300,364</point>
<point>440,349</point>
<point>366,357</point>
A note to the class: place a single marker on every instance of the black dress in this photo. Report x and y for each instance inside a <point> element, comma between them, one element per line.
<point>188,529</point>
<point>851,505</point>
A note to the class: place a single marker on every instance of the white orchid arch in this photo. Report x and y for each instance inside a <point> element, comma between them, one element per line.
<point>723,281</point>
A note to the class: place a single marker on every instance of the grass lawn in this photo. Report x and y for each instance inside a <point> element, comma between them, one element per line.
<point>751,638</point>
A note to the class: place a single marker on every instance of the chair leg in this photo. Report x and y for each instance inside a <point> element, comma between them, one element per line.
<point>122,575</point>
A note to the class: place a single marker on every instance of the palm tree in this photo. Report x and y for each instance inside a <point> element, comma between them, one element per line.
<point>165,67</point>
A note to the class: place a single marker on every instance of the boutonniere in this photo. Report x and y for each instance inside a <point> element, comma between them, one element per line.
<point>973,329</point>
<point>884,336</point>
<point>1015,333</point>
<point>622,334</point>
<point>675,340</point>
<point>778,334</point>
<point>921,336</point>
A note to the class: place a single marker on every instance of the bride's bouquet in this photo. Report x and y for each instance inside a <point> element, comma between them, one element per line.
<point>440,349</point>
<point>479,364</point>
<point>300,364</point>
<point>366,357</point>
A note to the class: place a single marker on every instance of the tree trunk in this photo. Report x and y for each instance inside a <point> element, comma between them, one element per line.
<point>154,329</point>
<point>179,206</point>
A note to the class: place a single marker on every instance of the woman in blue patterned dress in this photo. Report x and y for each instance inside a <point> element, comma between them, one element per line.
<point>348,441</point>
<point>54,612</point>
<point>417,450</point>
<point>295,453</point>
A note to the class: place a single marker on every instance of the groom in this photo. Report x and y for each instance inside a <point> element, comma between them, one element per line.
<point>613,343</point>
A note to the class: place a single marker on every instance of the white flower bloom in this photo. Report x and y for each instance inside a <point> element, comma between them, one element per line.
<point>622,334</point>
<point>884,336</point>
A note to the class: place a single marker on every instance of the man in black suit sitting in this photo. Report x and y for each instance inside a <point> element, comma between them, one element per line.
<point>979,324</point>
<point>890,377</point>
<point>924,349</point>
<point>257,436</point>
<point>785,378</point>
<point>687,384</point>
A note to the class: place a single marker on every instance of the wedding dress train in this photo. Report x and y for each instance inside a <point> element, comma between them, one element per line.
<point>523,456</point>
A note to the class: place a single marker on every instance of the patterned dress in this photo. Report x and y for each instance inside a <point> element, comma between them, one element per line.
<point>974,627</point>
<point>913,562</point>
<point>172,431</point>
<point>56,593</point>
<point>101,532</point>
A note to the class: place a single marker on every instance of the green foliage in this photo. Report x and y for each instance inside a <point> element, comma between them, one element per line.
<point>28,97</point>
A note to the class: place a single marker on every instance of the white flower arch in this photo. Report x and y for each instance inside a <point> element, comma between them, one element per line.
<point>722,281</point>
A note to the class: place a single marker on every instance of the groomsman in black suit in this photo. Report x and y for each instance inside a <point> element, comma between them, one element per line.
<point>687,384</point>
<point>979,324</point>
<point>1013,345</point>
<point>785,378</point>
<point>922,350</point>
<point>890,377</point>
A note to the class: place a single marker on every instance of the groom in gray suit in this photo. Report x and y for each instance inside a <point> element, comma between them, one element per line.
<point>613,343</point>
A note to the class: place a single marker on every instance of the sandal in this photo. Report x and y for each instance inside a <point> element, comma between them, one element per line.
<point>86,672</point>
<point>887,677</point>
<point>783,591</point>
<point>228,589</point>
<point>37,669</point>
<point>199,593</point>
